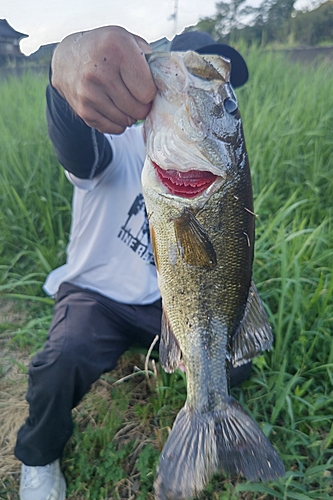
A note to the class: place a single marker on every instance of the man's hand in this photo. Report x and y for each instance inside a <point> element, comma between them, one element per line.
<point>104,76</point>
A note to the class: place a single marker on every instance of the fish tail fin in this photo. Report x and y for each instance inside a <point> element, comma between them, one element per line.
<point>201,445</point>
<point>242,446</point>
<point>188,459</point>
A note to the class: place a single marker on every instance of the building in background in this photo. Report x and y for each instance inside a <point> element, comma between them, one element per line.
<point>10,43</point>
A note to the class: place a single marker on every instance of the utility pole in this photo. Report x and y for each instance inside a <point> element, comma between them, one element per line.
<point>174,16</point>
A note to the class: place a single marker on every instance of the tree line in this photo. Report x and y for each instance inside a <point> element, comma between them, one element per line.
<point>273,21</point>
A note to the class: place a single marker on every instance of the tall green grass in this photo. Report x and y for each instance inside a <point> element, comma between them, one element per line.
<point>287,112</point>
<point>35,198</point>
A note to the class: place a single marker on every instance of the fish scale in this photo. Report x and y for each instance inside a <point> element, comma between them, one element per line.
<point>203,244</point>
<point>195,294</point>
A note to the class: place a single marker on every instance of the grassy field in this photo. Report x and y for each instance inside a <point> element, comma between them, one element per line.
<point>287,113</point>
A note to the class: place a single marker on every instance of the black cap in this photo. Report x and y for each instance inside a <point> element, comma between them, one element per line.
<point>204,43</point>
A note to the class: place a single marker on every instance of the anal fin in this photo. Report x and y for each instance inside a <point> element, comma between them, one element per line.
<point>170,352</point>
<point>254,334</point>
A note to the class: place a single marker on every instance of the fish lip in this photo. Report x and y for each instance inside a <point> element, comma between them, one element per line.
<point>185,184</point>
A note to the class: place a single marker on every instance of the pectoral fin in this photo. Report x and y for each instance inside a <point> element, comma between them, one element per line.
<point>170,352</point>
<point>254,334</point>
<point>193,242</point>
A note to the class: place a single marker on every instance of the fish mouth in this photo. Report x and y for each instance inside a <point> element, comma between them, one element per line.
<point>186,184</point>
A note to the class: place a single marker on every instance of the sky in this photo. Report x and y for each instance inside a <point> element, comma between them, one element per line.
<point>47,21</point>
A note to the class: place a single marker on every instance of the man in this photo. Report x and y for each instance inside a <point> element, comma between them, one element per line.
<point>106,294</point>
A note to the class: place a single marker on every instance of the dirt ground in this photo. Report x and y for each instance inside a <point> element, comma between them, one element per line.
<point>13,385</point>
<point>13,407</point>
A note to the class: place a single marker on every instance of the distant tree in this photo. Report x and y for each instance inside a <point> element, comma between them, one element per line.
<point>271,21</point>
<point>273,16</point>
<point>276,12</point>
<point>315,26</point>
<point>208,24</point>
<point>234,20</point>
<point>229,16</point>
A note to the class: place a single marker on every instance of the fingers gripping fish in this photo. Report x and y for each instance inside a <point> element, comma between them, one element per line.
<point>197,188</point>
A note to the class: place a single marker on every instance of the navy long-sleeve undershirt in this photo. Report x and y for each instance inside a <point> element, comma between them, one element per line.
<point>81,150</point>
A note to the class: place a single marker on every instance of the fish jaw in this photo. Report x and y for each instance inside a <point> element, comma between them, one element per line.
<point>179,189</point>
<point>194,123</point>
<point>186,184</point>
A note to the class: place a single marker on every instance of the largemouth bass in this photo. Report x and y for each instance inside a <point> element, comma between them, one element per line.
<point>197,189</point>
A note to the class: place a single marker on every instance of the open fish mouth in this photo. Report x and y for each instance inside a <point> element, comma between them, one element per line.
<point>186,184</point>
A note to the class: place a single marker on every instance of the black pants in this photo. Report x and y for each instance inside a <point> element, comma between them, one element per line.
<point>87,336</point>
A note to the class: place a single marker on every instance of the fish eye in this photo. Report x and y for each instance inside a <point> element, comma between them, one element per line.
<point>230,105</point>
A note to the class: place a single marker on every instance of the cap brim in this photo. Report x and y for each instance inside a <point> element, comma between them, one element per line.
<point>239,72</point>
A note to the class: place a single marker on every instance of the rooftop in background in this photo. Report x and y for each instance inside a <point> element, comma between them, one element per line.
<point>6,31</point>
<point>161,45</point>
<point>10,42</point>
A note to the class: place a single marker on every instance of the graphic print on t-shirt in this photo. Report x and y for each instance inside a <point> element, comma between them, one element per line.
<point>135,232</point>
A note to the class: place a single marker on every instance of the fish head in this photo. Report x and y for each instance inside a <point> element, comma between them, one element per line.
<point>194,136</point>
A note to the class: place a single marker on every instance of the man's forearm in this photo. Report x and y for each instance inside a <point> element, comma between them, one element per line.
<point>81,150</point>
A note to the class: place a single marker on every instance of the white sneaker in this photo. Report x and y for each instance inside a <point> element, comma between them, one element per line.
<point>42,483</point>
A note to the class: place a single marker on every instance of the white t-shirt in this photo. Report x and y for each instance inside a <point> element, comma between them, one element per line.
<point>109,247</point>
